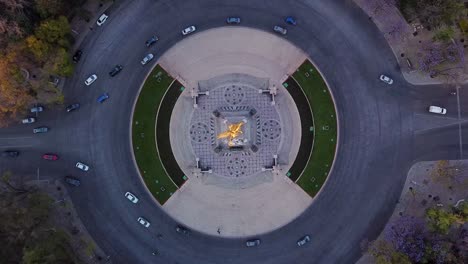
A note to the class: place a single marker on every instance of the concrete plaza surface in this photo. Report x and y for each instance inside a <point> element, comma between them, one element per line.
<point>234,207</point>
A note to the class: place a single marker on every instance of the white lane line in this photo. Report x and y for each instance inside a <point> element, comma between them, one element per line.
<point>9,138</point>
<point>16,146</point>
<point>459,124</point>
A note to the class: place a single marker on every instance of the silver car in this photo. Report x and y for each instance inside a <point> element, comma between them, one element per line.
<point>280,30</point>
<point>143,222</point>
<point>147,59</point>
<point>28,120</point>
<point>91,79</point>
<point>130,196</point>
<point>40,130</point>
<point>37,109</point>
<point>303,240</point>
<point>189,30</point>
<point>252,242</point>
<point>82,166</point>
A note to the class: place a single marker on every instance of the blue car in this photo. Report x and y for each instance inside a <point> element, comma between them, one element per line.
<point>103,97</point>
<point>290,20</point>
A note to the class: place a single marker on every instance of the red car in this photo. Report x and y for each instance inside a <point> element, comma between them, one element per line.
<point>50,157</point>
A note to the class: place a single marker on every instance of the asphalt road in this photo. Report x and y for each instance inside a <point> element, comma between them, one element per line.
<point>383,131</point>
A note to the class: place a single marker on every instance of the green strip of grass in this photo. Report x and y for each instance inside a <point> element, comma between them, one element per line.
<point>143,136</point>
<point>325,129</point>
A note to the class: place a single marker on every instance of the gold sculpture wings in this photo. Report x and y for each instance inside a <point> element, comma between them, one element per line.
<point>234,130</point>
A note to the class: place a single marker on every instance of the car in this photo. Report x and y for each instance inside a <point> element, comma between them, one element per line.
<point>188,30</point>
<point>10,154</point>
<point>103,97</point>
<point>72,107</point>
<point>37,109</point>
<point>233,20</point>
<point>82,166</point>
<point>28,120</point>
<point>91,79</point>
<point>303,240</point>
<point>182,230</point>
<point>72,181</point>
<point>151,41</point>
<point>386,79</point>
<point>252,242</point>
<point>280,30</point>
<point>290,20</point>
<point>147,59</point>
<point>102,19</point>
<point>77,56</point>
<point>42,129</point>
<point>143,222</point>
<point>49,156</point>
<point>130,196</point>
<point>437,110</point>
<point>115,70</point>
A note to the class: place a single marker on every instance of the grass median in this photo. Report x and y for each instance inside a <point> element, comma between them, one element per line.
<point>143,135</point>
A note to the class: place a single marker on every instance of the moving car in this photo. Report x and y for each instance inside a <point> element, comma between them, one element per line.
<point>182,230</point>
<point>102,19</point>
<point>147,59</point>
<point>73,107</point>
<point>188,30</point>
<point>82,166</point>
<point>37,109</point>
<point>233,20</point>
<point>291,20</point>
<point>103,97</point>
<point>252,242</point>
<point>42,129</point>
<point>10,154</point>
<point>303,240</point>
<point>115,70</point>
<point>437,110</point>
<point>49,156</point>
<point>130,196</point>
<point>28,120</point>
<point>77,56</point>
<point>151,41</point>
<point>280,30</point>
<point>386,79</point>
<point>143,222</point>
<point>72,181</point>
<point>91,79</point>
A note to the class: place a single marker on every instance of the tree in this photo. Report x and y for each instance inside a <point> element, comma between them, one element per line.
<point>385,253</point>
<point>54,31</point>
<point>40,49</point>
<point>62,65</point>
<point>439,220</point>
<point>406,234</point>
<point>49,8</point>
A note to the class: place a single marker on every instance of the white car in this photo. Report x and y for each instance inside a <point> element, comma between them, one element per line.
<point>28,120</point>
<point>303,240</point>
<point>386,79</point>
<point>188,30</point>
<point>437,110</point>
<point>280,30</point>
<point>143,222</point>
<point>147,59</point>
<point>130,196</point>
<point>102,19</point>
<point>82,166</point>
<point>91,79</point>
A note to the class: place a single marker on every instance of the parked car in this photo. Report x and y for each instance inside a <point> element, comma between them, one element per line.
<point>10,154</point>
<point>252,242</point>
<point>290,20</point>
<point>49,156</point>
<point>73,107</point>
<point>182,230</point>
<point>143,221</point>
<point>386,79</point>
<point>115,70</point>
<point>77,56</point>
<point>147,59</point>
<point>28,120</point>
<point>91,79</point>
<point>233,20</point>
<point>103,97</point>
<point>130,196</point>
<point>42,129</point>
<point>437,110</point>
<point>303,240</point>
<point>72,181</point>
<point>82,166</point>
<point>37,109</point>
<point>188,30</point>
<point>102,19</point>
<point>280,30</point>
<point>151,41</point>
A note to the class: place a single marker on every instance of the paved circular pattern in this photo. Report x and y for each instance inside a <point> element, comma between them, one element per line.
<point>199,132</point>
<point>271,129</point>
<point>234,94</point>
<point>237,166</point>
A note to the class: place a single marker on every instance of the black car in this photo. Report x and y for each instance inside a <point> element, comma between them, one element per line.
<point>151,41</point>
<point>182,230</point>
<point>72,107</point>
<point>72,181</point>
<point>77,56</point>
<point>115,70</point>
<point>10,154</point>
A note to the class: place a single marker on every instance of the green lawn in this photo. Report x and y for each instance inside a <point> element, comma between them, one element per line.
<point>325,130</point>
<point>143,136</point>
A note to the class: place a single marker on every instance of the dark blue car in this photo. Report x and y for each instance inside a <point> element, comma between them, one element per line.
<point>103,97</point>
<point>290,20</point>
